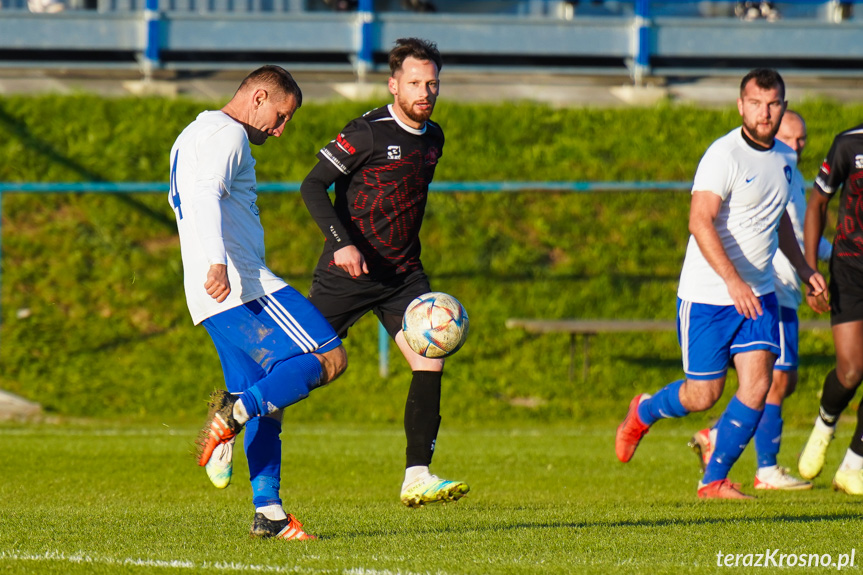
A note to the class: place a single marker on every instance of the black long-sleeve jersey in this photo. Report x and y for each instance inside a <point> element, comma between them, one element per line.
<point>382,169</point>
<point>844,167</point>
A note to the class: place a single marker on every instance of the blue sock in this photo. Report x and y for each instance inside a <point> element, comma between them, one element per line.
<point>733,432</point>
<point>768,435</point>
<point>264,453</point>
<point>288,382</point>
<point>664,404</point>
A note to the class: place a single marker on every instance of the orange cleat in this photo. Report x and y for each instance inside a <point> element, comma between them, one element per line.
<point>288,528</point>
<point>721,489</point>
<point>221,425</point>
<point>630,431</point>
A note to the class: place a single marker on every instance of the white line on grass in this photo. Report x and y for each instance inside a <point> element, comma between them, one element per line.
<point>209,566</point>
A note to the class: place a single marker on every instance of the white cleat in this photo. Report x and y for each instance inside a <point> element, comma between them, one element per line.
<point>220,467</point>
<point>778,478</point>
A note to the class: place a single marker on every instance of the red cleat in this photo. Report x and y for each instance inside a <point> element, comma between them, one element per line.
<point>721,489</point>
<point>630,431</point>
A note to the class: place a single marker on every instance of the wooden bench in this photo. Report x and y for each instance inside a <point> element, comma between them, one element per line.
<point>587,328</point>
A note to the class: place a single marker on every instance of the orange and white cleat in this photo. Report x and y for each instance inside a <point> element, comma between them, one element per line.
<point>703,443</point>
<point>221,425</point>
<point>288,528</point>
<point>630,431</point>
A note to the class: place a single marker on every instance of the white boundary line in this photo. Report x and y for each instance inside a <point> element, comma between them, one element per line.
<point>209,566</point>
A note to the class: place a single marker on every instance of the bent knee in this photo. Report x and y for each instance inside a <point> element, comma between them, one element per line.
<point>849,370</point>
<point>701,395</point>
<point>334,363</point>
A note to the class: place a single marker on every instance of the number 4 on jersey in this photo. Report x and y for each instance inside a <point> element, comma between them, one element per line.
<point>174,193</point>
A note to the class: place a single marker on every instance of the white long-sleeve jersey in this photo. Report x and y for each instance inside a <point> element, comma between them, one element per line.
<point>213,194</point>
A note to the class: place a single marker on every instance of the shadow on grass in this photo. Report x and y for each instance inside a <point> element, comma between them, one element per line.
<point>676,522</point>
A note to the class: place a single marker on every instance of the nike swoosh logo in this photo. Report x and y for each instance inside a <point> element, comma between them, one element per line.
<point>750,179</point>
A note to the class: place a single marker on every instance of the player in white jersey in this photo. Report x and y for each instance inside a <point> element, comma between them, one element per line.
<point>274,346</point>
<point>727,310</point>
<point>768,434</point>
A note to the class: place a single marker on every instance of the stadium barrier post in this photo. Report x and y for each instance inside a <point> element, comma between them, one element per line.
<point>365,57</point>
<point>383,351</point>
<point>641,65</point>
<point>151,51</point>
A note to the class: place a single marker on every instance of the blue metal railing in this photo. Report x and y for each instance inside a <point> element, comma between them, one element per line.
<point>639,37</point>
<point>293,187</point>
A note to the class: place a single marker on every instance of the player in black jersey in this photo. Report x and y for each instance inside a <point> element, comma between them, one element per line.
<point>382,165</point>
<point>843,168</point>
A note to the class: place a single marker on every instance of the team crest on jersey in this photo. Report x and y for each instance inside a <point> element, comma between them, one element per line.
<point>787,170</point>
<point>858,162</point>
<point>254,208</point>
<point>825,167</point>
<point>345,146</point>
<point>431,156</point>
<point>394,152</point>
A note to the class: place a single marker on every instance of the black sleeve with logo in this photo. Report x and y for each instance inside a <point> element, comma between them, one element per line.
<point>844,167</point>
<point>381,193</point>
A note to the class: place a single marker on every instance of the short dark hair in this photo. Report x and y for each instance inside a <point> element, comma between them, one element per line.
<point>765,78</point>
<point>413,48</point>
<point>274,78</point>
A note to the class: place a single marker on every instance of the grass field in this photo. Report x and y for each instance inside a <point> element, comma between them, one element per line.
<point>94,326</point>
<point>113,498</point>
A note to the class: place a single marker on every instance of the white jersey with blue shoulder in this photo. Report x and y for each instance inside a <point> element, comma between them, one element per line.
<point>213,194</point>
<point>754,186</point>
<point>787,283</point>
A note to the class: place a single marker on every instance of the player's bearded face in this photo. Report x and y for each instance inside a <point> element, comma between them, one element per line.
<point>761,111</point>
<point>415,88</point>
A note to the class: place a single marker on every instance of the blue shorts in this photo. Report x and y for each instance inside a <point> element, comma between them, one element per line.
<point>253,338</point>
<point>710,335</point>
<point>789,329</point>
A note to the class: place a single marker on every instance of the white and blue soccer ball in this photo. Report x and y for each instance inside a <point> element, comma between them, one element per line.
<point>435,325</point>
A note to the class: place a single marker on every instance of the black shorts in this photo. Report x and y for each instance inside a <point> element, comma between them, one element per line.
<point>343,300</point>
<point>846,291</point>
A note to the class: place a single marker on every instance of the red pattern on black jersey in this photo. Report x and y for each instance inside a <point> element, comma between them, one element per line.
<point>394,218</point>
<point>381,200</point>
<point>843,168</point>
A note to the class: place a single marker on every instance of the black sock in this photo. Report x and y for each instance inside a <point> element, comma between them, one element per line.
<point>835,397</point>
<point>422,417</point>
<point>857,440</point>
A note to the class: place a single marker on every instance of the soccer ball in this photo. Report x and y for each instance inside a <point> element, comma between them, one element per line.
<point>435,325</point>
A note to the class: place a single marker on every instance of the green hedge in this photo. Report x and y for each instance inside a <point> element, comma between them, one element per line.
<point>94,317</point>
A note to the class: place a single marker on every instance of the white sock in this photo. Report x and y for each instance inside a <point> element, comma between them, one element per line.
<point>240,413</point>
<point>852,462</point>
<point>272,512</point>
<point>823,427</point>
<point>414,473</point>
